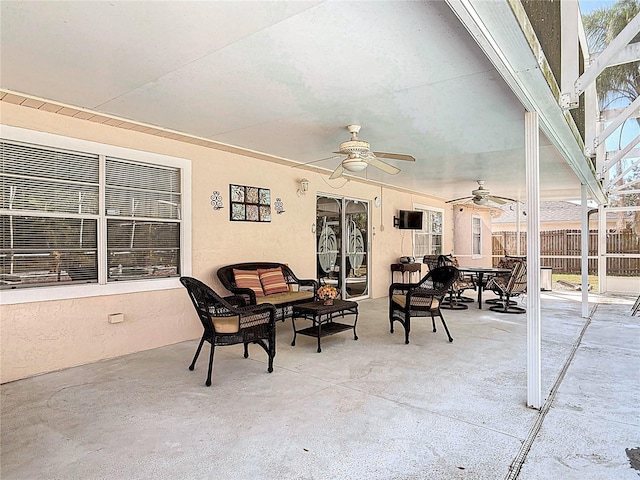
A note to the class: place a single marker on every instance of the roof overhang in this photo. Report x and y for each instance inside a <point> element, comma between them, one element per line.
<point>504,33</point>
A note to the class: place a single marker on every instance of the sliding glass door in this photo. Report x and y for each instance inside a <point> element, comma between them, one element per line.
<point>329,241</point>
<point>342,233</point>
<point>356,251</point>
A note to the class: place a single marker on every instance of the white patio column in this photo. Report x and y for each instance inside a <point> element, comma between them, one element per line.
<point>584,261</point>
<point>518,228</point>
<point>602,249</point>
<point>532,160</point>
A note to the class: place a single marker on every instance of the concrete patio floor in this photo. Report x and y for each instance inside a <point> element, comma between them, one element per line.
<point>368,409</point>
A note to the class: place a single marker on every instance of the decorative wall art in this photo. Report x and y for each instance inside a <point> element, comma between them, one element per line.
<point>250,204</point>
<point>279,205</point>
<point>216,200</point>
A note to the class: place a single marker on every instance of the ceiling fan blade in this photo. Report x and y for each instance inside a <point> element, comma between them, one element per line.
<point>385,167</point>
<point>337,172</point>
<point>497,200</point>
<point>395,156</point>
<point>316,161</point>
<point>458,199</point>
<point>506,199</point>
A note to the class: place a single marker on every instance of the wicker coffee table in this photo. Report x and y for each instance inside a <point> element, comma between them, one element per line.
<point>323,317</point>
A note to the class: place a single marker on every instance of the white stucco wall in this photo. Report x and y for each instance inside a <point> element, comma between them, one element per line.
<point>43,336</point>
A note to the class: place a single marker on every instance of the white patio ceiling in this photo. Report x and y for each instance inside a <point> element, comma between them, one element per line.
<point>285,78</point>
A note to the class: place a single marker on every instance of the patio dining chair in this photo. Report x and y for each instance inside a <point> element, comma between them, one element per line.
<point>421,299</point>
<point>513,286</point>
<point>228,321</point>
<point>455,300</point>
<point>508,261</point>
<point>431,261</point>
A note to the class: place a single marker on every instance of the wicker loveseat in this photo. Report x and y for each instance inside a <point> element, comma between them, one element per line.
<point>268,282</point>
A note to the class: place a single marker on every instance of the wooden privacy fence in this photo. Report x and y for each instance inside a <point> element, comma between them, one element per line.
<point>560,249</point>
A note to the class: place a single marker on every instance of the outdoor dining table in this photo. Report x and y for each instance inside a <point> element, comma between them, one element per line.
<point>481,272</point>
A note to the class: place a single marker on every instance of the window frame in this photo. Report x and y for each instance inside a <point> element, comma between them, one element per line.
<point>474,254</point>
<point>69,291</point>
<point>426,209</point>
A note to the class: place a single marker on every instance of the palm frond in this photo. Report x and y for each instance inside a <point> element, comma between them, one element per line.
<point>620,82</point>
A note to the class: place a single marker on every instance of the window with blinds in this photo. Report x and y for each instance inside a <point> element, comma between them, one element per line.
<point>143,220</point>
<point>428,240</point>
<point>51,217</point>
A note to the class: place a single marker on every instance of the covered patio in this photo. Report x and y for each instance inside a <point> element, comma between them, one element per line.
<point>373,408</point>
<point>218,97</point>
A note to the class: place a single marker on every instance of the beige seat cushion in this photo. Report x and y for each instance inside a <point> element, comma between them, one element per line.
<point>226,324</point>
<point>280,298</point>
<point>418,301</point>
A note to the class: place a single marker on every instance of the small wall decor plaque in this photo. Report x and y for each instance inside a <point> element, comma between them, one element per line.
<point>249,204</point>
<point>216,200</point>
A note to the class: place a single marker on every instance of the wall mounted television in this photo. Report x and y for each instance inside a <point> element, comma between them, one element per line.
<point>408,220</point>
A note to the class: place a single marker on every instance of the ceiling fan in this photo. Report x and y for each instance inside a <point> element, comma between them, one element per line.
<point>482,196</point>
<point>359,156</point>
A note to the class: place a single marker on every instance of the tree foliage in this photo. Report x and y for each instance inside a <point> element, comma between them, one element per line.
<point>602,26</point>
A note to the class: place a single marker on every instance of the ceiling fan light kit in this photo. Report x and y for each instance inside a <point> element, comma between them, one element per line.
<point>354,163</point>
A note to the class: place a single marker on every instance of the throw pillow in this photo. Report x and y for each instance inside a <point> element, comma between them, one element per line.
<point>273,281</point>
<point>248,279</point>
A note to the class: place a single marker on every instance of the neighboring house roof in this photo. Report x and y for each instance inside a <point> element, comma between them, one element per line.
<point>549,212</point>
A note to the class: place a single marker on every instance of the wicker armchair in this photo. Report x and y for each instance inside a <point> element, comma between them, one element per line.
<point>513,286</point>
<point>420,299</point>
<point>227,321</point>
